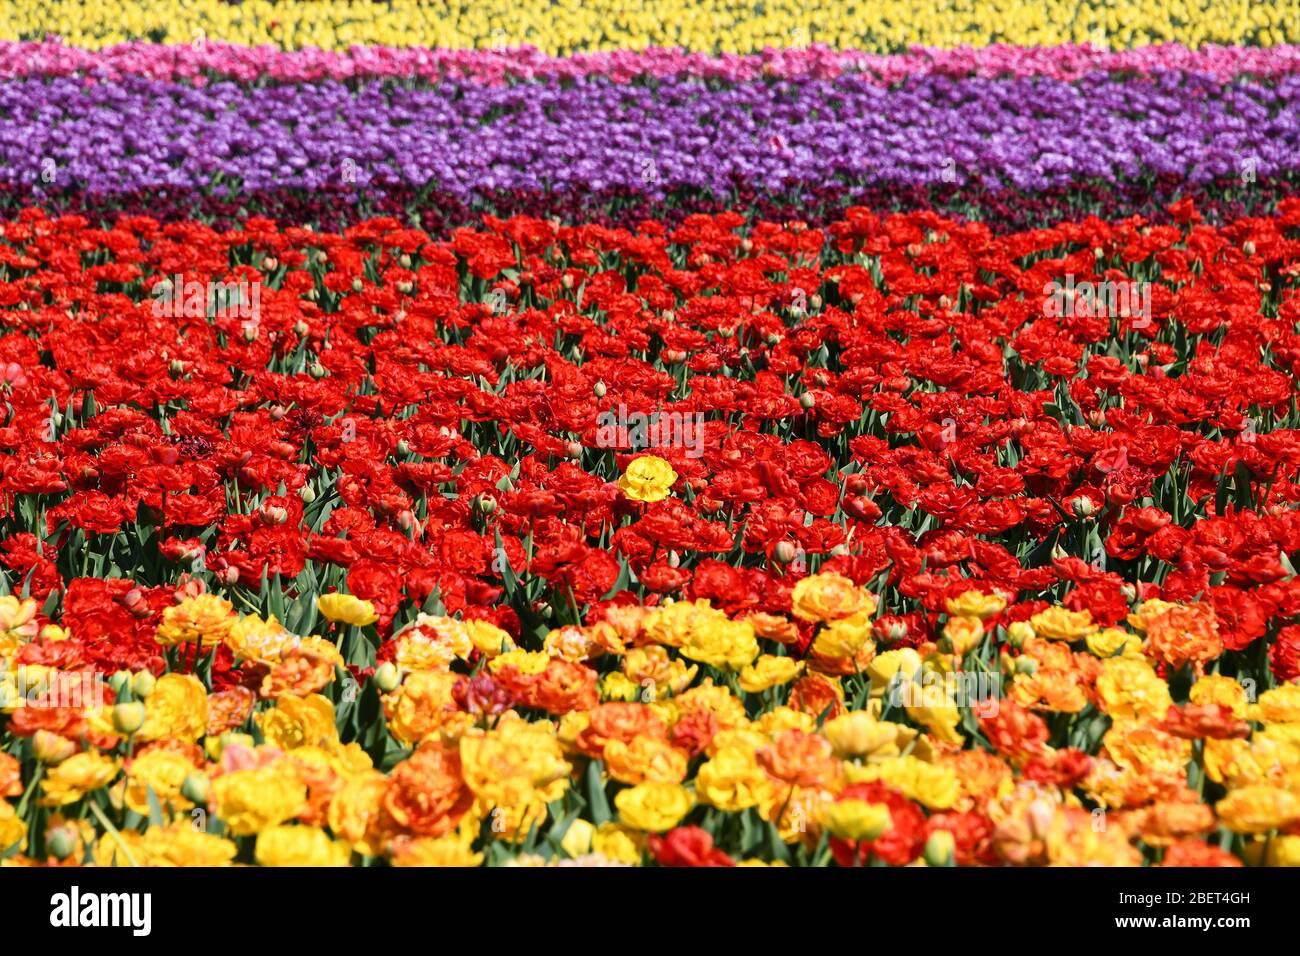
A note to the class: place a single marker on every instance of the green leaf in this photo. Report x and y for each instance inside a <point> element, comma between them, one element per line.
<point>155,808</point>
<point>1221,492</point>
<point>622,582</point>
<point>777,846</point>
<point>508,579</point>
<point>600,811</point>
<point>1245,500</point>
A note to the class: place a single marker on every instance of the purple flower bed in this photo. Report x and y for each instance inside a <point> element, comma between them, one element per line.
<point>678,136</point>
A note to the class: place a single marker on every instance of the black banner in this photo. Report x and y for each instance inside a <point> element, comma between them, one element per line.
<point>370,905</point>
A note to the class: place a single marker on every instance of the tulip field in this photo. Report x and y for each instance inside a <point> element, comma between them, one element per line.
<point>649,435</point>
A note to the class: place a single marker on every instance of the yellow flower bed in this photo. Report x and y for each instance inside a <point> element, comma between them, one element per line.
<point>929,754</point>
<point>566,26</point>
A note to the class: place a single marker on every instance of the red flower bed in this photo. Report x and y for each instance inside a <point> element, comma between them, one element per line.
<point>893,389</point>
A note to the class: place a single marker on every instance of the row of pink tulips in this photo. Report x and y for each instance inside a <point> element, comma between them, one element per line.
<point>199,60</point>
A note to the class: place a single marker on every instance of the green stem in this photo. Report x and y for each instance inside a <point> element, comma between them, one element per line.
<point>112,830</point>
<point>36,777</point>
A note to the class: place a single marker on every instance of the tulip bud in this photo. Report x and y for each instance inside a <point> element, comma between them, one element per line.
<point>577,839</point>
<point>357,285</point>
<point>51,748</point>
<point>896,631</point>
<point>1248,247</point>
<point>195,787</point>
<point>404,261</point>
<point>856,819</point>
<point>807,401</point>
<point>939,848</point>
<point>61,842</point>
<point>274,515</point>
<point>1027,665</point>
<point>1082,507</point>
<point>142,684</point>
<point>307,494</point>
<point>316,370</point>
<point>574,449</point>
<point>405,287</point>
<point>176,367</point>
<point>301,328</point>
<point>387,677</point>
<point>227,577</point>
<point>128,718</point>
<point>1019,632</point>
<point>118,681</point>
<point>216,746</point>
<point>485,503</point>
<point>599,389</point>
<point>403,447</point>
<point>784,551</point>
<point>278,412</point>
<point>53,632</point>
<point>30,682</point>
